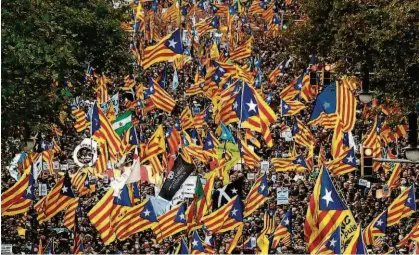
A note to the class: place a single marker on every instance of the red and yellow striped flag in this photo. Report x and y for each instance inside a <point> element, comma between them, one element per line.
<point>171,223</point>
<point>70,214</point>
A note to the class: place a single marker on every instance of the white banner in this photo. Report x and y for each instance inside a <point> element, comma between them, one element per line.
<point>43,190</point>
<point>264,166</point>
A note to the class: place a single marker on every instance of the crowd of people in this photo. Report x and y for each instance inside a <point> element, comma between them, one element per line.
<point>363,201</point>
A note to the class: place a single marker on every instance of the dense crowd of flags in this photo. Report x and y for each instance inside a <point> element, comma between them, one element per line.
<point>232,80</point>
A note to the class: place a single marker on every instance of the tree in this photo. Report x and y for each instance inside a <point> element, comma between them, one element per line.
<point>351,32</point>
<point>54,41</point>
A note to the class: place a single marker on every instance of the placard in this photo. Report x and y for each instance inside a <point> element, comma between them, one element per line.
<point>64,167</point>
<point>250,176</point>
<point>89,160</point>
<point>364,183</point>
<point>273,178</point>
<point>56,165</point>
<point>6,249</point>
<point>282,196</point>
<point>264,166</point>
<point>43,189</point>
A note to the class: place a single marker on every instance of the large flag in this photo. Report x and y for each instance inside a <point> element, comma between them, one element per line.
<point>226,218</point>
<point>186,119</point>
<point>302,134</point>
<point>257,195</point>
<point>156,144</point>
<point>129,141</point>
<point>58,198</point>
<point>325,213</point>
<point>136,219</point>
<point>70,214</point>
<point>246,108</point>
<point>343,164</point>
<point>167,49</point>
<point>160,97</point>
<point>403,206</point>
<point>284,231</point>
<point>333,102</point>
<point>173,140</point>
<point>20,196</point>
<point>291,108</point>
<point>251,159</point>
<point>242,51</point>
<point>102,130</point>
<point>171,223</point>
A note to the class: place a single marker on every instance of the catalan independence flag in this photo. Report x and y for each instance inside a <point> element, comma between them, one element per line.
<point>167,49</point>
<point>302,134</point>
<point>70,214</point>
<point>242,51</point>
<point>378,227</point>
<point>291,108</point>
<point>343,164</point>
<point>284,231</point>
<point>332,244</point>
<point>102,130</point>
<point>80,122</point>
<point>403,206</point>
<point>99,216</point>
<point>413,235</point>
<point>325,213</point>
<point>257,195</point>
<point>160,97</point>
<point>20,196</point>
<point>356,245</point>
<point>136,219</point>
<point>171,223</point>
<point>334,101</point>
<point>226,218</point>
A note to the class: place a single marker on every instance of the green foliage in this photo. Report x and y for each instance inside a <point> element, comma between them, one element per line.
<point>343,31</point>
<point>54,40</point>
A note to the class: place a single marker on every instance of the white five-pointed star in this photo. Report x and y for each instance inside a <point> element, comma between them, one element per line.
<point>333,242</point>
<point>262,187</point>
<point>326,105</point>
<point>299,160</point>
<point>208,239</point>
<point>172,43</point>
<point>195,243</point>
<point>64,189</point>
<point>234,212</point>
<point>286,221</point>
<point>221,69</point>
<point>299,85</point>
<point>350,159</point>
<point>408,200</point>
<point>380,222</point>
<point>182,216</point>
<point>252,106</point>
<point>286,106</point>
<point>328,197</point>
<point>209,143</point>
<point>194,140</point>
<point>28,190</point>
<point>235,105</point>
<point>151,89</point>
<point>215,77</point>
<point>146,212</point>
<point>234,190</point>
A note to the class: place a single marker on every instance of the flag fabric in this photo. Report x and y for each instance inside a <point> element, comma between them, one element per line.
<point>284,231</point>
<point>225,218</point>
<point>247,109</point>
<point>357,245</point>
<point>80,182</point>
<point>280,69</point>
<point>257,195</point>
<point>242,51</point>
<point>292,91</point>
<point>173,140</point>
<point>325,213</point>
<point>18,198</point>
<point>199,119</point>
<point>123,122</point>
<point>338,146</point>
<point>302,134</point>
<point>137,218</point>
<point>308,92</point>
<point>251,159</point>
<point>413,235</point>
<point>167,49</point>
<point>171,223</point>
<point>334,101</point>
<point>103,131</point>
<point>186,119</point>
<point>387,135</point>
<point>403,206</point>
<point>182,247</point>
<point>226,134</point>
<point>58,198</point>
<point>333,244</point>
<point>207,25</point>
<point>250,137</point>
<point>129,141</point>
<point>156,144</point>
<point>102,161</point>
<point>291,108</point>
<point>394,179</point>
<point>197,244</point>
<point>160,97</point>
<point>70,214</point>
<point>345,163</point>
<point>376,228</point>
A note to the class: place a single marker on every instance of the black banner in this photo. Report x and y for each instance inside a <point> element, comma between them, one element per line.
<point>180,171</point>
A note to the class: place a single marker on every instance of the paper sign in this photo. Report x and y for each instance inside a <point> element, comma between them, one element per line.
<point>282,196</point>
<point>364,183</point>
<point>43,190</point>
<point>6,249</point>
<point>64,167</point>
<point>264,166</point>
<point>273,177</point>
<point>188,187</point>
<point>250,176</point>
<point>56,165</point>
